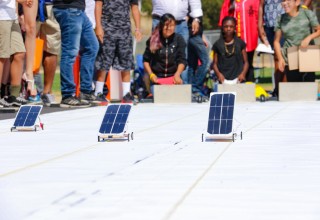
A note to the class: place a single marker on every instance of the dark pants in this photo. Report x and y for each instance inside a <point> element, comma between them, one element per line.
<point>296,76</point>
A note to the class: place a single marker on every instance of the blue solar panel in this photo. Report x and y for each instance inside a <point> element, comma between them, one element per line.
<point>221,113</point>
<point>115,119</point>
<point>27,116</point>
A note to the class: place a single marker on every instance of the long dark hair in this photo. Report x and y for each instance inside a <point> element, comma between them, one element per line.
<point>155,42</point>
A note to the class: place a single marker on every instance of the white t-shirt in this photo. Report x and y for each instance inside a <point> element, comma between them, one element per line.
<point>8,10</point>
<point>90,4</point>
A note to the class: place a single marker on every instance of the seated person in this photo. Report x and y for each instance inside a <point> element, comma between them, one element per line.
<point>164,58</point>
<point>230,56</point>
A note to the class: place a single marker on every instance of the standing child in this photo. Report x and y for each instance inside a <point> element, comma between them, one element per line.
<point>230,56</point>
<point>113,29</point>
<point>295,26</point>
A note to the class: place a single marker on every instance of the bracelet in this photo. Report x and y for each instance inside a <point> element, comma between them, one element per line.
<point>152,75</point>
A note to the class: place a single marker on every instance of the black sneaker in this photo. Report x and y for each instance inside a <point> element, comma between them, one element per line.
<point>128,98</point>
<point>48,99</point>
<point>73,102</point>
<point>16,101</point>
<point>102,99</point>
<point>89,97</point>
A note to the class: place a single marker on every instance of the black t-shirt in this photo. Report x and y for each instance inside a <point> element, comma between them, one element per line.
<point>230,59</point>
<point>80,4</point>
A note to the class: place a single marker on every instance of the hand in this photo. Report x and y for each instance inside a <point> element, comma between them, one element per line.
<point>99,33</point>
<point>29,3</point>
<point>263,37</point>
<point>204,39</point>
<point>241,78</point>
<point>138,35</point>
<point>177,79</point>
<point>195,27</point>
<point>154,79</point>
<point>221,78</point>
<point>281,64</point>
<point>22,23</point>
<point>305,42</point>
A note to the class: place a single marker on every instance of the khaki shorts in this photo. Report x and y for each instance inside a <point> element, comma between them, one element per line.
<point>50,32</point>
<point>11,41</point>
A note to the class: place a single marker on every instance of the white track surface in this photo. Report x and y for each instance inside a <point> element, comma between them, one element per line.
<point>166,172</point>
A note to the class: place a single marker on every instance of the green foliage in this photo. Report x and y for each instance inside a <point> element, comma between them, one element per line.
<point>146,6</point>
<point>211,12</point>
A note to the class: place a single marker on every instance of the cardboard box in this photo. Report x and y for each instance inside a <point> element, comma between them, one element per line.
<point>304,59</point>
<point>245,92</point>
<point>298,91</point>
<point>172,94</point>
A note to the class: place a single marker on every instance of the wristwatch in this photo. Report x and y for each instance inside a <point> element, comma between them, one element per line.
<point>197,20</point>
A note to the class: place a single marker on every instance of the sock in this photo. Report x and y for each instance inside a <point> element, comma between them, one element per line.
<point>15,90</point>
<point>125,88</point>
<point>99,88</point>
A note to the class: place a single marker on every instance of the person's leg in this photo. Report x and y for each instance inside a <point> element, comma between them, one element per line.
<point>5,41</point>
<point>192,62</point>
<point>201,53</point>
<point>89,49</point>
<point>70,23</point>
<point>250,73</point>
<point>182,29</point>
<point>16,67</point>
<point>293,75</point>
<point>103,62</point>
<point>30,14</point>
<point>278,75</point>
<point>50,33</point>
<point>308,77</point>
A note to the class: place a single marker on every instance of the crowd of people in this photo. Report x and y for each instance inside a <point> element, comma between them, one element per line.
<point>100,33</point>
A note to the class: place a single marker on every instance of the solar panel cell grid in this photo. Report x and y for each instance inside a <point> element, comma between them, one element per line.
<point>221,114</point>
<point>27,116</point>
<point>115,119</point>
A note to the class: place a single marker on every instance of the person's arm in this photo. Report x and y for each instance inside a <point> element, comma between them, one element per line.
<point>177,76</point>
<point>136,19</point>
<point>306,41</point>
<point>262,33</point>
<point>97,13</point>
<point>180,59</point>
<point>196,13</point>
<point>242,75</point>
<point>216,69</point>
<point>277,50</point>
<point>147,69</point>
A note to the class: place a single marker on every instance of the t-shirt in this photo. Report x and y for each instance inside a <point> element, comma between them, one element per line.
<point>295,29</point>
<point>79,4</point>
<point>230,65</point>
<point>115,18</point>
<point>8,10</point>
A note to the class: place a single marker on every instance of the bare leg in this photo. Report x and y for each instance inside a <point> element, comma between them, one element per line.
<point>49,66</point>
<point>17,68</point>
<point>125,76</point>
<point>2,62</point>
<point>30,14</point>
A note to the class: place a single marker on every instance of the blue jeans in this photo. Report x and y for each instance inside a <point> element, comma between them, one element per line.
<point>197,73</point>
<point>182,29</point>
<point>76,32</point>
